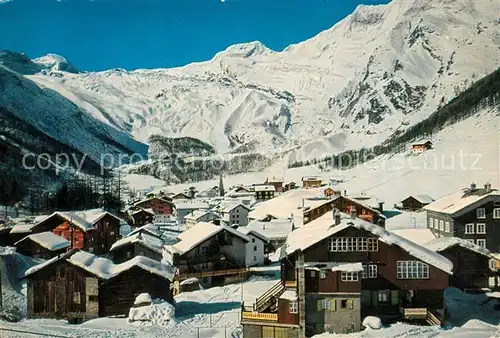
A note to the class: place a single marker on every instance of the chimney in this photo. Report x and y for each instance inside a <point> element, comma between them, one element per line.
<point>487,187</point>
<point>345,192</point>
<point>353,212</point>
<point>336,216</point>
<point>381,206</point>
<point>473,186</point>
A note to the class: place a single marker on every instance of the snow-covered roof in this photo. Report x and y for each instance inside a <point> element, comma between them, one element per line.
<point>199,233</point>
<point>424,199</point>
<point>289,294</point>
<point>455,202</point>
<point>324,227</point>
<point>228,206</point>
<point>246,231</point>
<point>419,236</point>
<point>274,230</point>
<point>197,214</point>
<point>192,205</point>
<point>407,219</point>
<point>151,242</point>
<point>264,188</point>
<point>85,220</point>
<point>106,269</point>
<point>149,228</point>
<point>48,262</point>
<point>369,202</point>
<point>21,228</point>
<point>311,178</point>
<point>149,211</point>
<point>48,240</point>
<point>334,266</point>
<point>443,243</point>
<point>143,298</point>
<point>192,280</point>
<point>162,199</point>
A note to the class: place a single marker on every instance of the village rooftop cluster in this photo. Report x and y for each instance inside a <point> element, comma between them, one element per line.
<point>339,261</point>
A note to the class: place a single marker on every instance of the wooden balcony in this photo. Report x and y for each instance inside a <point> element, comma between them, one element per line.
<point>259,317</point>
<point>183,276</point>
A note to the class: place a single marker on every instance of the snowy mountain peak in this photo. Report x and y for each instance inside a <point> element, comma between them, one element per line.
<point>246,50</point>
<point>55,62</point>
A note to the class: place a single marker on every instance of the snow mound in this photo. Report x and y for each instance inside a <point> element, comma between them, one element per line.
<point>143,298</point>
<point>372,322</point>
<point>54,62</point>
<point>159,313</point>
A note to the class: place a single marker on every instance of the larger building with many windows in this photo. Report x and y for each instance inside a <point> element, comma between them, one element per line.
<point>339,269</point>
<point>472,214</point>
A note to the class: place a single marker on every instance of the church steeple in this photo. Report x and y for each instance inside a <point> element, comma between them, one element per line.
<point>221,186</point>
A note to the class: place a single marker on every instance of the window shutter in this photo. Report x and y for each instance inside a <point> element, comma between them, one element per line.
<point>394,297</point>
<point>350,304</point>
<point>332,304</point>
<point>318,303</point>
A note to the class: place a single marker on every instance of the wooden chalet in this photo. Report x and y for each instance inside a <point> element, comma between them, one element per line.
<point>215,254</point>
<point>181,196</point>
<point>137,244</point>
<point>471,263</point>
<point>264,192</point>
<point>44,245</point>
<point>418,148</point>
<point>337,270</point>
<point>416,202</point>
<point>141,217</point>
<point>329,192</point>
<point>79,286</point>
<point>276,182</point>
<point>159,205</point>
<point>94,230</point>
<point>311,182</point>
<point>289,186</point>
<point>472,214</point>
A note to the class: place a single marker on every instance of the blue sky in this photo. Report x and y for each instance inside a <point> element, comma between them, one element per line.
<point>103,34</point>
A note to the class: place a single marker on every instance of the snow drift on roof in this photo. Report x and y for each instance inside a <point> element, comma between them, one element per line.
<point>443,243</point>
<point>274,230</point>
<point>106,269</point>
<point>424,199</point>
<point>419,236</point>
<point>289,295</point>
<point>455,202</point>
<point>48,240</point>
<point>199,233</point>
<point>151,242</point>
<point>323,227</point>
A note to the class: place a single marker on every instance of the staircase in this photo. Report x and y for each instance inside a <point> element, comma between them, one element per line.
<point>432,319</point>
<point>269,299</point>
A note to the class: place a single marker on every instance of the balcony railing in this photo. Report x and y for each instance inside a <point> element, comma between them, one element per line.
<point>202,274</point>
<point>290,284</point>
<point>259,317</point>
<point>414,313</point>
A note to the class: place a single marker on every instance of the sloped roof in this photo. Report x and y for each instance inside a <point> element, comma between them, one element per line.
<point>275,229</point>
<point>149,228</point>
<point>197,214</point>
<point>264,188</point>
<point>324,227</point>
<point>454,203</point>
<point>152,242</point>
<point>199,233</point>
<point>48,240</point>
<point>246,231</point>
<point>443,243</point>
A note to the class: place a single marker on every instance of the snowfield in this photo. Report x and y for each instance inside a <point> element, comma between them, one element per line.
<point>380,69</point>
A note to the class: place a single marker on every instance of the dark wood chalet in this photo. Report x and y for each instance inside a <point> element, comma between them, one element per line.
<point>346,205</point>
<point>137,244</point>
<point>79,286</point>
<point>215,254</point>
<point>141,217</point>
<point>93,231</point>
<point>471,263</point>
<point>336,271</point>
<point>416,202</point>
<point>472,214</point>
<point>276,182</point>
<point>44,245</point>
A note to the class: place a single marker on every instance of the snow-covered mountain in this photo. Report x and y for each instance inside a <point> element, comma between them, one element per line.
<point>54,62</point>
<point>380,69</point>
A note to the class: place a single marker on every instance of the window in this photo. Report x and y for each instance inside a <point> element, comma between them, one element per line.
<point>441,226</point>
<point>372,271</point>
<point>76,297</point>
<point>255,258</point>
<point>91,249</point>
<point>255,248</point>
<point>496,203</point>
<point>204,250</point>
<point>348,276</point>
<point>481,213</point>
<point>496,213</point>
<point>322,274</point>
<point>469,228</point>
<point>93,298</point>
<point>253,240</point>
<point>326,304</point>
<point>383,296</point>
<point>480,228</point>
<point>364,273</point>
<point>470,240</point>
<point>294,308</point>
<point>481,243</point>
<point>347,244</point>
<point>129,254</point>
<point>313,274</point>
<point>343,303</point>
<point>268,332</point>
<point>111,233</point>
<point>447,226</point>
<point>412,270</point>
<point>281,332</point>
